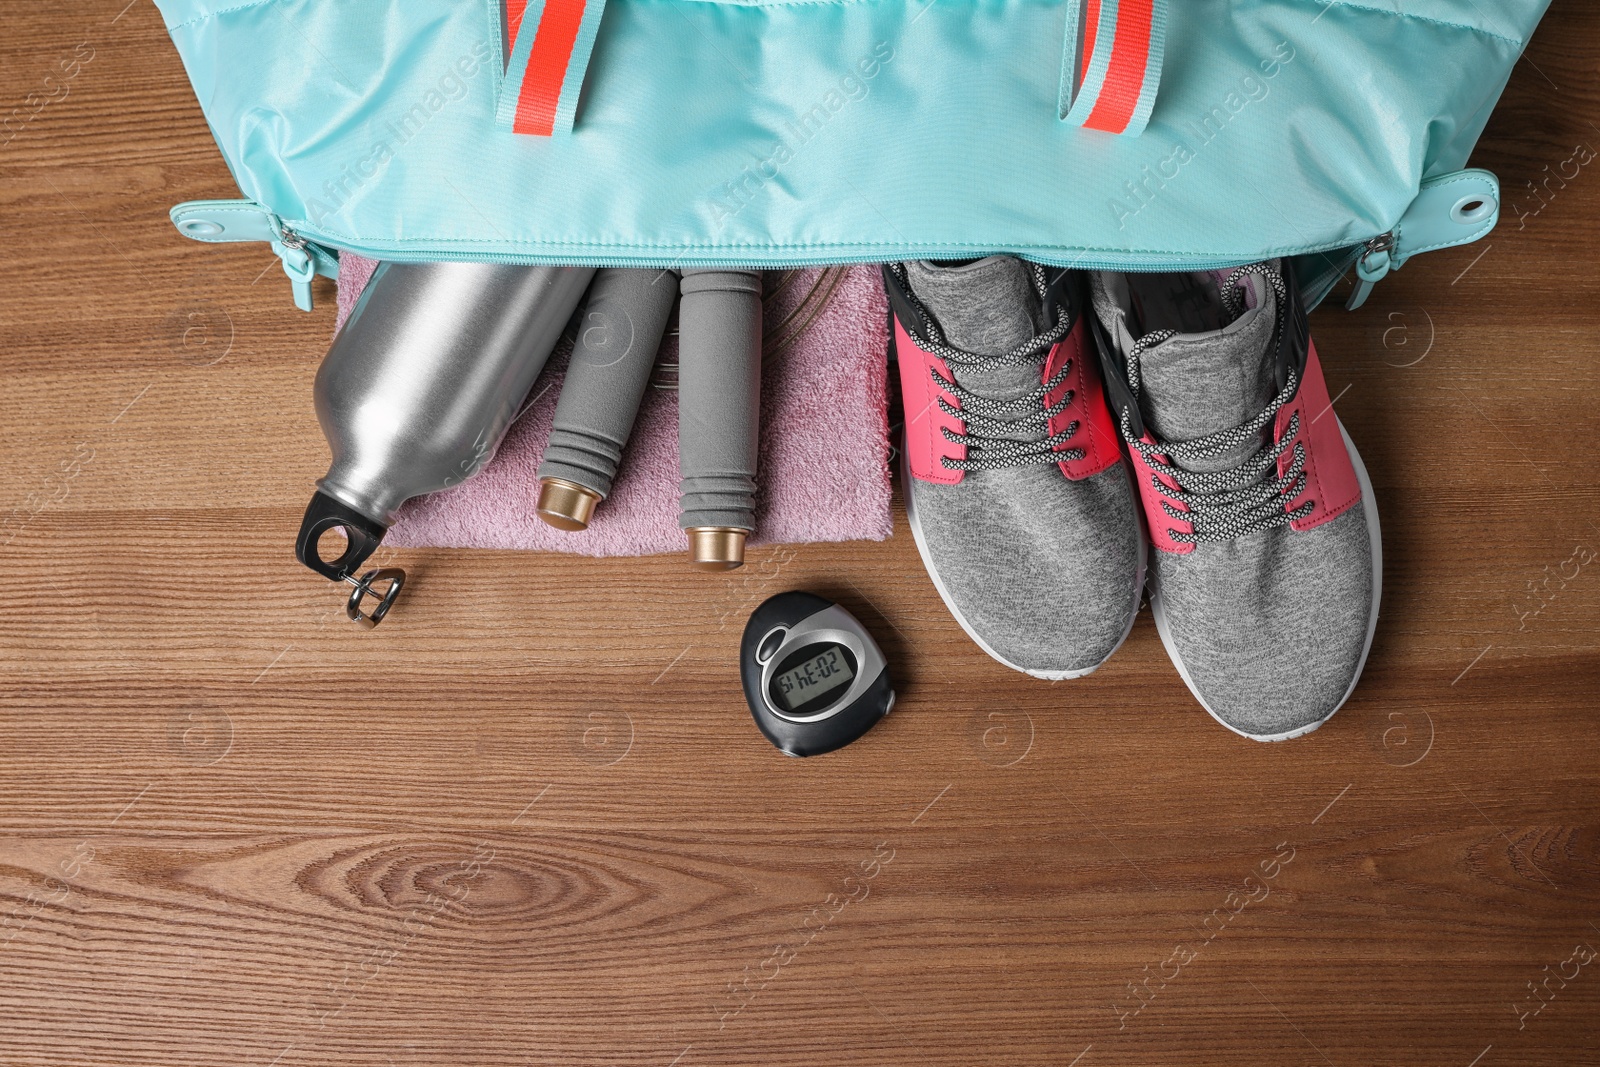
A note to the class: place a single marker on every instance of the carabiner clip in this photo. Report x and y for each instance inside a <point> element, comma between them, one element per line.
<point>363,588</point>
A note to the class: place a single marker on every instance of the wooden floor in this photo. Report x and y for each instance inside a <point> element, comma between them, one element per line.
<point>528,821</point>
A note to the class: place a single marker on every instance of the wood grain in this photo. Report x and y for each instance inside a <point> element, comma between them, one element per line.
<point>528,820</point>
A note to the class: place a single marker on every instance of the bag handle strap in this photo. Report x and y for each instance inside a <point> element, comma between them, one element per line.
<point>552,41</point>
<point>1111,63</point>
<point>514,12</point>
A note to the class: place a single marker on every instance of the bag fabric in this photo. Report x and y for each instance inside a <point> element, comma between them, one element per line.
<point>786,132</point>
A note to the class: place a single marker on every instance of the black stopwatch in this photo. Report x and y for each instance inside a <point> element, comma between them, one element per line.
<point>814,678</point>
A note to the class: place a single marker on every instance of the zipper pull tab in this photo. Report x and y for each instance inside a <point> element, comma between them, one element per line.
<point>297,264</point>
<point>1449,210</point>
<point>1372,264</point>
<point>216,221</point>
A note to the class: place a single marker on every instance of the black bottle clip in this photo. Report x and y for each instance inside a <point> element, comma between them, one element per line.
<point>362,536</point>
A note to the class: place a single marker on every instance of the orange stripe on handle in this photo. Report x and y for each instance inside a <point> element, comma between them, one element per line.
<point>1091,19</point>
<point>514,10</point>
<point>547,67</point>
<point>1130,56</point>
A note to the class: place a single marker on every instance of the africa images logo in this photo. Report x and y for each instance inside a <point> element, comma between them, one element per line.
<point>1210,124</point>
<point>396,134</point>
<point>730,198</point>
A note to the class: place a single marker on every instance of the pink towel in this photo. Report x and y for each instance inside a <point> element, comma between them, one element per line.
<point>823,474</point>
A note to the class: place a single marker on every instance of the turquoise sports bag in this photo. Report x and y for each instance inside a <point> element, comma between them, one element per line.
<point>1109,134</point>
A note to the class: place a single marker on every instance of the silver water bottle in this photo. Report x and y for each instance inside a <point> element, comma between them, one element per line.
<point>719,412</point>
<point>618,336</point>
<point>416,392</point>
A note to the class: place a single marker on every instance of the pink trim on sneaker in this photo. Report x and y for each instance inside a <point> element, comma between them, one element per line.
<point>1330,479</point>
<point>924,442</point>
<point>1161,526</point>
<point>1097,435</point>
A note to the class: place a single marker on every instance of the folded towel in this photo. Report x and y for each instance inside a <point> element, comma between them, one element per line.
<point>823,473</point>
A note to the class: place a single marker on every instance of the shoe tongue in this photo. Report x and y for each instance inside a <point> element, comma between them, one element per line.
<point>1195,384</point>
<point>986,307</point>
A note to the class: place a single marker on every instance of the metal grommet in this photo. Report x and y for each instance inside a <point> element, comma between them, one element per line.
<point>1472,209</point>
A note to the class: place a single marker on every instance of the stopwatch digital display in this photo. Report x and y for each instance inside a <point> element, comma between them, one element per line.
<point>813,676</point>
<point>813,682</point>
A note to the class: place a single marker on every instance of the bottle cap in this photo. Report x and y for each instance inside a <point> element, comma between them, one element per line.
<point>716,548</point>
<point>566,505</point>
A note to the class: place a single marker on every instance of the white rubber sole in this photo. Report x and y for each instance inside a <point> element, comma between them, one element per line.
<point>955,612</point>
<point>1369,505</point>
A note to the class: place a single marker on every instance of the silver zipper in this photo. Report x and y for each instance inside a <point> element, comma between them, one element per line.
<point>1384,242</point>
<point>1369,273</point>
<point>298,264</point>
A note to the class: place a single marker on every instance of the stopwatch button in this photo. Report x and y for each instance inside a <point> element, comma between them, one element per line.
<point>769,644</point>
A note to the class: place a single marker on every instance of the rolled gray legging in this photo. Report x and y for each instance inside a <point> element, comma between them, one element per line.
<point>618,337</point>
<point>719,397</point>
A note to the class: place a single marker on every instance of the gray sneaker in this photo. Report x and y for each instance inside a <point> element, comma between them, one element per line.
<point>1268,569</point>
<point>1017,493</point>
